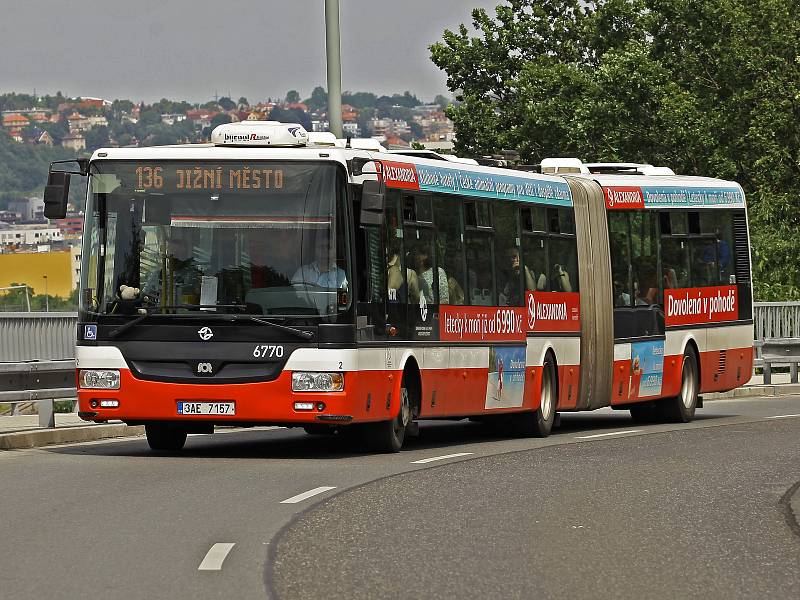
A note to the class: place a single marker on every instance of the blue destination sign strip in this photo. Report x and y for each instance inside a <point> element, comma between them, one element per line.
<point>492,185</point>
<point>687,196</point>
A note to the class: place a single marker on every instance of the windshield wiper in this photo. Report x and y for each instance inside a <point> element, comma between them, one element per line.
<point>306,335</point>
<point>150,310</point>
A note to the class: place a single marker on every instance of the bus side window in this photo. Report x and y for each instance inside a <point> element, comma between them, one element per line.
<point>644,259</point>
<point>563,251</point>
<point>619,246</point>
<point>480,276</point>
<point>450,245</point>
<point>508,265</point>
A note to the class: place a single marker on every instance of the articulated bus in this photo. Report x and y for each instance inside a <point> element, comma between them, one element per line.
<point>271,277</point>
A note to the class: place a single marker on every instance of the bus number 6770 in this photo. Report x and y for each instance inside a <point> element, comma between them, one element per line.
<point>268,351</point>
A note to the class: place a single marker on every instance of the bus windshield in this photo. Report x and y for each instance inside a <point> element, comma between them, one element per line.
<point>255,237</point>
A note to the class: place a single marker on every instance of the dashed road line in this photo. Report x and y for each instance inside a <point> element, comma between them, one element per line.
<point>308,494</point>
<point>435,458</point>
<point>215,557</point>
<point>782,416</point>
<point>599,435</point>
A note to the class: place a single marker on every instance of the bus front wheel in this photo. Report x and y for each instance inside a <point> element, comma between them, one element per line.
<point>388,436</point>
<point>165,437</point>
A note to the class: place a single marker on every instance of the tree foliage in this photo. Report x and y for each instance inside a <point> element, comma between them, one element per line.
<point>707,87</point>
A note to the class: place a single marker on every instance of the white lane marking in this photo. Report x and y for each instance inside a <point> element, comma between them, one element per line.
<point>782,417</point>
<point>598,435</point>
<point>308,494</point>
<point>215,557</point>
<point>445,457</point>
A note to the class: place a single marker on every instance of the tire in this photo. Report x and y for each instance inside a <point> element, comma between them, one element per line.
<point>388,436</point>
<point>681,408</point>
<point>539,423</point>
<point>165,438</point>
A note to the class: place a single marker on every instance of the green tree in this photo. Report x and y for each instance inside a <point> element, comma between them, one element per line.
<point>226,103</point>
<point>708,87</point>
<point>292,97</point>
<point>442,101</point>
<point>318,99</point>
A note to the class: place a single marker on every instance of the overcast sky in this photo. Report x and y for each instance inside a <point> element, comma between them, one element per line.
<point>182,49</point>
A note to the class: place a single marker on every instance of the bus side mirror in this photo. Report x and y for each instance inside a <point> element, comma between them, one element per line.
<point>373,199</point>
<point>56,193</point>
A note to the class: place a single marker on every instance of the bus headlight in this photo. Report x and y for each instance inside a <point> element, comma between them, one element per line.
<point>303,381</point>
<point>99,379</point>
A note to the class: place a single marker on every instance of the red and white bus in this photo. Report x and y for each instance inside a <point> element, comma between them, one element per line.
<point>266,278</point>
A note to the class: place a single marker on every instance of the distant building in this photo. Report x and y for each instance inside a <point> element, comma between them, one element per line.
<point>351,129</point>
<point>77,122</point>
<point>29,235</point>
<point>15,120</point>
<point>29,209</point>
<point>30,268</point>
<point>45,139</point>
<point>74,141</point>
<point>172,118</point>
<point>70,227</point>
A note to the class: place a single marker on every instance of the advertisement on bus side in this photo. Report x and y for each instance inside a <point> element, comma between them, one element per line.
<point>620,197</point>
<point>647,369</point>
<point>506,382</point>
<point>481,323</point>
<point>693,306</point>
<point>463,182</point>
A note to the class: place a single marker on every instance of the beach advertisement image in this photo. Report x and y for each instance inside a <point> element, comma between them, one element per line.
<point>506,383</point>
<point>647,369</point>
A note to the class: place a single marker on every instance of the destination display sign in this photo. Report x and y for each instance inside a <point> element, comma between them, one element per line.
<point>625,197</point>
<point>179,178</point>
<point>216,178</point>
<point>448,180</point>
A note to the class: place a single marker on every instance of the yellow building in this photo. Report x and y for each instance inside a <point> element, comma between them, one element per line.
<point>30,268</point>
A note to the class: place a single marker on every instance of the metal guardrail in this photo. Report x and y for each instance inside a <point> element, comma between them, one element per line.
<point>780,352</point>
<point>39,381</point>
<point>37,336</point>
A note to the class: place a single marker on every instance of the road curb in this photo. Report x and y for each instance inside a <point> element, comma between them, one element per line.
<point>782,389</point>
<point>66,435</point>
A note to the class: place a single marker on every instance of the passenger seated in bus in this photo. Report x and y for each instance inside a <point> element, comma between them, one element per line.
<point>645,286</point>
<point>422,264</point>
<point>322,271</point>
<point>510,294</point>
<point>456,291</point>
<point>561,281</point>
<point>400,288</point>
<point>621,296</point>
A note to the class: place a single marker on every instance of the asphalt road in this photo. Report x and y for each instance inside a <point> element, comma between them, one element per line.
<point>602,508</point>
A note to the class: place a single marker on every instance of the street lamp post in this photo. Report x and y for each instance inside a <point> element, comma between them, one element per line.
<point>46,296</point>
<point>333,49</point>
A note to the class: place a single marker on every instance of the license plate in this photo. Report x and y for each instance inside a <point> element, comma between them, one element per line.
<point>206,408</point>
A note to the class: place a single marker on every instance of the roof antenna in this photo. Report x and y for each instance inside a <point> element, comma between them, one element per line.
<point>347,144</point>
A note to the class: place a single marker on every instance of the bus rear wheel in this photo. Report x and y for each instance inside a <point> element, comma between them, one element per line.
<point>165,438</point>
<point>681,408</point>
<point>539,422</point>
<point>388,436</point>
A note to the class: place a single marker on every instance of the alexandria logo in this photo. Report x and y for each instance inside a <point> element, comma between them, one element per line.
<point>623,197</point>
<point>531,312</point>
